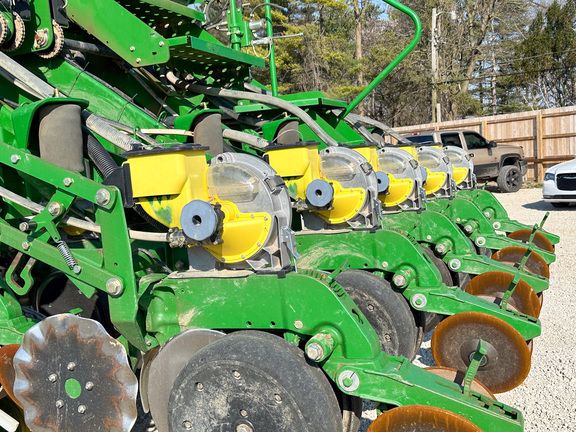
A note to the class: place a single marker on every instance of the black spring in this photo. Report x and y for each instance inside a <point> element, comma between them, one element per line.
<point>66,254</point>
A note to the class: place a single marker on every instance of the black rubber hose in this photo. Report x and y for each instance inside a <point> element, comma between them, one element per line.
<point>98,154</point>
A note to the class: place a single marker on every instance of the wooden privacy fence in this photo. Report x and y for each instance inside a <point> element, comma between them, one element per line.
<point>548,136</point>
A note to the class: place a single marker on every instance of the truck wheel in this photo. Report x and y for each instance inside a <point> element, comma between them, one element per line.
<point>510,179</point>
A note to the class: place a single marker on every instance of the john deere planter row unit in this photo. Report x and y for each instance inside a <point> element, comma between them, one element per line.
<point>244,261</point>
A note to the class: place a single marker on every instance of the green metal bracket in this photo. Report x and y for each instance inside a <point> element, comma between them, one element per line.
<point>345,265</point>
<point>473,367</point>
<point>25,274</point>
<point>394,63</point>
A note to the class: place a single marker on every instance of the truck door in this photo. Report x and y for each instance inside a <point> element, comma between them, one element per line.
<point>485,159</point>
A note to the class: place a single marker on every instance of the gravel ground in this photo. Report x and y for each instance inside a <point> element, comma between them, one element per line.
<point>548,396</point>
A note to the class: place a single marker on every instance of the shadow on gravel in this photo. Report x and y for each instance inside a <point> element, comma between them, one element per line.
<point>544,206</point>
<point>425,353</point>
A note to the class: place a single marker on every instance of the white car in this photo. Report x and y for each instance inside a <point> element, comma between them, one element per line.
<point>559,187</point>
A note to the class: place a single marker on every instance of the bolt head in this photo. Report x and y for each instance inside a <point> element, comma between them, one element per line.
<point>399,280</point>
<point>441,248</point>
<point>82,409</point>
<point>14,159</point>
<point>298,324</point>
<point>53,378</point>
<point>243,428</point>
<point>114,286</point>
<point>89,385</point>
<point>384,264</point>
<point>132,48</point>
<point>24,226</point>
<point>67,181</point>
<point>487,214</point>
<point>55,208</point>
<point>102,197</point>
<point>187,424</point>
<point>71,366</point>
<point>77,269</point>
<point>315,352</point>
<point>468,228</point>
<point>161,43</point>
<point>25,245</point>
<point>59,403</point>
<point>454,264</point>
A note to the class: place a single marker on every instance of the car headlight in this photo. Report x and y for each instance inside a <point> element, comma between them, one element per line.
<point>549,176</point>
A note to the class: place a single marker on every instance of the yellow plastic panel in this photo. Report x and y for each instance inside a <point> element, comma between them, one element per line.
<point>243,234</point>
<point>434,181</point>
<point>460,174</point>
<point>411,149</point>
<point>166,173</point>
<point>346,204</point>
<point>398,191</point>
<point>290,162</point>
<point>371,155</point>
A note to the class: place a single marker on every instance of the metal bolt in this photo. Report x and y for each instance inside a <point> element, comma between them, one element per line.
<point>487,214</point>
<point>349,380</point>
<point>252,215</point>
<point>455,264</point>
<point>14,159</point>
<point>315,352</point>
<point>243,428</point>
<point>428,237</point>
<point>148,343</point>
<point>399,280</point>
<point>25,245</point>
<point>55,208</point>
<point>480,241</point>
<point>419,301</point>
<point>278,398</point>
<point>458,219</point>
<point>77,269</point>
<point>236,374</point>
<point>102,197</point>
<point>53,378</point>
<point>24,226</point>
<point>68,181</point>
<point>187,424</point>
<point>132,49</point>
<point>244,413</point>
<point>441,248</point>
<point>298,324</point>
<point>71,366</point>
<point>370,307</point>
<point>199,386</point>
<point>138,60</point>
<point>384,264</point>
<point>496,225</point>
<point>59,403</point>
<point>82,409</point>
<point>468,228</point>
<point>89,385</point>
<point>114,286</point>
<point>161,43</point>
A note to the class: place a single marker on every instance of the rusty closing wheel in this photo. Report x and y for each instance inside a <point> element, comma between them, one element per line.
<point>508,361</point>
<point>421,418</point>
<point>493,285</point>
<point>540,239</point>
<point>457,377</point>
<point>72,376</point>
<point>513,255</point>
<point>7,377</point>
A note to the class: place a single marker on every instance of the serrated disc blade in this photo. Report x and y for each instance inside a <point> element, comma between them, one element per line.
<point>508,360</point>
<point>457,377</point>
<point>421,418</point>
<point>72,376</point>
<point>7,374</point>
<point>524,299</point>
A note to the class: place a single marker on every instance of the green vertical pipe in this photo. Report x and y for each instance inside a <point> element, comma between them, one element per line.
<point>270,33</point>
<point>385,72</point>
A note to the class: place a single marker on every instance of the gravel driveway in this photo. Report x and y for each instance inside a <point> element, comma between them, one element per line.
<point>548,396</point>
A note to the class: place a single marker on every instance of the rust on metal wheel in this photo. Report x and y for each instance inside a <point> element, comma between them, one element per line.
<point>494,284</point>
<point>513,255</point>
<point>508,361</point>
<point>540,239</point>
<point>457,377</point>
<point>7,374</point>
<point>421,418</point>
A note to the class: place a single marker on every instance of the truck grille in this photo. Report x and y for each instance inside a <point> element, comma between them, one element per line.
<point>566,181</point>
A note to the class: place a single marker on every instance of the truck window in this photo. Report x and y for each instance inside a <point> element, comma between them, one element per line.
<point>420,139</point>
<point>451,139</point>
<point>475,141</point>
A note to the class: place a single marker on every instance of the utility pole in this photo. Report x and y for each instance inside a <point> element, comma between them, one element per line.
<point>433,47</point>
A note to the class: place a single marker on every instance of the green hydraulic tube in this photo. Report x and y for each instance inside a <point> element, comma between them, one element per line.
<point>272,63</point>
<point>394,63</point>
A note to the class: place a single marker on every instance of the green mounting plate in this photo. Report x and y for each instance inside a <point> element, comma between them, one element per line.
<point>309,99</point>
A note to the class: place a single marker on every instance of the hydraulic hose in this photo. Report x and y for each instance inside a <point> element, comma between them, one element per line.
<point>98,154</point>
<point>244,137</point>
<point>351,118</point>
<point>262,98</point>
